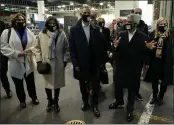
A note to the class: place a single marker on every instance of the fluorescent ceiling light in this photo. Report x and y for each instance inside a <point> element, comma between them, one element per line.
<point>101,4</point>
<point>2,5</point>
<point>71,3</point>
<point>59,6</point>
<point>63,6</point>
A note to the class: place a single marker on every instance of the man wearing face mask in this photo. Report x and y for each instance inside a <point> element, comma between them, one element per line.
<point>87,55</point>
<point>131,47</point>
<point>142,26</point>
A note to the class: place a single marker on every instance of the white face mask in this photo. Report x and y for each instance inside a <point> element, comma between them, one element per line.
<point>54,28</point>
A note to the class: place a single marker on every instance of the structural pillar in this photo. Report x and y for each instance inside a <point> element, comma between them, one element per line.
<point>41,6</point>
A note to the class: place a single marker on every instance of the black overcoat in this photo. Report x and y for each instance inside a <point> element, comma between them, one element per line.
<point>87,56</point>
<point>129,59</point>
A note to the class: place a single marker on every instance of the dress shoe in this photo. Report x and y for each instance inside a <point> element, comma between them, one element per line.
<point>116,104</point>
<point>56,106</point>
<point>129,116</point>
<point>96,112</point>
<point>23,105</point>
<point>9,94</point>
<point>35,101</point>
<point>84,106</point>
<point>139,97</point>
<point>49,106</point>
<point>154,101</point>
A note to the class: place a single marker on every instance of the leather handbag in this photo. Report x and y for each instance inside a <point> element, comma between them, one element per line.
<point>43,68</point>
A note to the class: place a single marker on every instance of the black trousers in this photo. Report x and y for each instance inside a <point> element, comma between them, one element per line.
<point>3,72</point>
<point>131,97</point>
<point>163,89</point>
<point>4,80</point>
<point>49,94</point>
<point>30,87</point>
<point>95,85</point>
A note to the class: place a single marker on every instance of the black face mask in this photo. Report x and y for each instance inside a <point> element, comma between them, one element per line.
<point>20,25</point>
<point>52,28</point>
<point>86,18</point>
<point>101,24</point>
<point>119,24</point>
<point>128,26</point>
<point>162,28</point>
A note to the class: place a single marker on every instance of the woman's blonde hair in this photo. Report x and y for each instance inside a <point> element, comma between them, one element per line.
<point>100,20</point>
<point>157,27</point>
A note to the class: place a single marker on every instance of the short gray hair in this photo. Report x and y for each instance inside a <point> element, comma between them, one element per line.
<point>135,18</point>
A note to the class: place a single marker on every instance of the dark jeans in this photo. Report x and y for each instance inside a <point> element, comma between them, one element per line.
<point>163,88</point>
<point>95,85</point>
<point>20,87</point>
<point>49,94</point>
<point>131,98</point>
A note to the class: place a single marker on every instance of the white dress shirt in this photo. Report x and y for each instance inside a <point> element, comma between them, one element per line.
<point>86,30</point>
<point>131,35</point>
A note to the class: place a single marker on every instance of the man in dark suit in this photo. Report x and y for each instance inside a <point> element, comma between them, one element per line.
<point>4,67</point>
<point>132,48</point>
<point>142,26</point>
<point>87,54</point>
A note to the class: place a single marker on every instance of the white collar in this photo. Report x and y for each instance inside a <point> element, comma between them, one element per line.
<point>83,25</point>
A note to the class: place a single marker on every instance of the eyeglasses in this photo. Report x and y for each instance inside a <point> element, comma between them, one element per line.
<point>138,13</point>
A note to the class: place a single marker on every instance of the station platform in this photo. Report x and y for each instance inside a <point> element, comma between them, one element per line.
<point>70,103</point>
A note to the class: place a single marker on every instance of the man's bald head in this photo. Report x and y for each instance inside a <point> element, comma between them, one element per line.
<point>138,11</point>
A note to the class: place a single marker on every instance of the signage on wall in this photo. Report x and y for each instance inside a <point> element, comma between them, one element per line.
<point>124,13</point>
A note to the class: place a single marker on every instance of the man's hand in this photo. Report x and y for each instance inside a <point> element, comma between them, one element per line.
<point>22,54</point>
<point>77,69</point>
<point>151,45</point>
<point>116,42</point>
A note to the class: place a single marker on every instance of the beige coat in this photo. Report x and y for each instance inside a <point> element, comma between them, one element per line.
<point>43,48</point>
<point>12,48</point>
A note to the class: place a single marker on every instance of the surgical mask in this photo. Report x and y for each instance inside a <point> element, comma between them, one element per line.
<point>86,18</point>
<point>101,24</point>
<point>139,15</point>
<point>52,28</point>
<point>162,28</point>
<point>20,24</point>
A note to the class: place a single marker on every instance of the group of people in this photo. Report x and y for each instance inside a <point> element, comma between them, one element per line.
<point>88,46</point>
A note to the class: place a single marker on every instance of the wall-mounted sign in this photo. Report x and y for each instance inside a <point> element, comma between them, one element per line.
<point>124,13</point>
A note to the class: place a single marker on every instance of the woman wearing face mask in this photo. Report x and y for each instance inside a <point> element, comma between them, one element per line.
<point>52,54</point>
<point>17,44</point>
<point>160,68</point>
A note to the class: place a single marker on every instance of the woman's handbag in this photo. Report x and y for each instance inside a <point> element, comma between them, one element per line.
<point>43,68</point>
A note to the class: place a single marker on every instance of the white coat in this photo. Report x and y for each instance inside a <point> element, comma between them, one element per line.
<point>12,48</point>
<point>56,79</point>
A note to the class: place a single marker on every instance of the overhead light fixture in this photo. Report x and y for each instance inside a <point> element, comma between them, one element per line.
<point>71,3</point>
<point>109,5</point>
<point>101,4</point>
<point>92,8</point>
<point>2,5</point>
<point>59,6</point>
<point>46,9</point>
<point>27,7</point>
<point>63,6</point>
